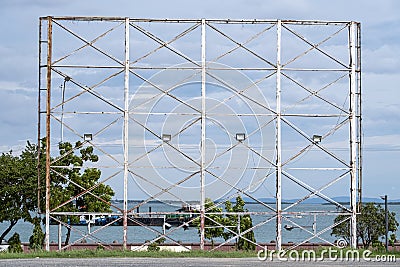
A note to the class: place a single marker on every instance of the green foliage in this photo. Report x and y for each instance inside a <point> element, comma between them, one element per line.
<point>15,244</point>
<point>154,246</point>
<point>392,239</point>
<point>117,253</point>
<point>18,187</point>
<point>36,240</point>
<point>370,225</point>
<point>242,223</point>
<point>70,183</point>
<point>74,190</point>
<point>212,221</point>
<point>215,221</point>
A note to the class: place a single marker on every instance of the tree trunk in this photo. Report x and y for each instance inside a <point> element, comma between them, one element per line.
<point>3,235</point>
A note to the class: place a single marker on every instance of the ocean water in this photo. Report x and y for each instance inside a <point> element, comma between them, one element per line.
<point>264,232</point>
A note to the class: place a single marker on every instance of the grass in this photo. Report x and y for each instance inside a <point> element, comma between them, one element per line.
<point>100,253</point>
<point>85,253</point>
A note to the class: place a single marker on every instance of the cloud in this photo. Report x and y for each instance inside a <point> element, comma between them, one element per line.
<point>380,47</point>
<point>382,59</point>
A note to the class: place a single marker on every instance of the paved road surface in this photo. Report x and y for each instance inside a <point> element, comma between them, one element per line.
<point>180,262</point>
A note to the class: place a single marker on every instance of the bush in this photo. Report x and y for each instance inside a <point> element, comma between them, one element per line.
<point>15,244</point>
<point>154,245</point>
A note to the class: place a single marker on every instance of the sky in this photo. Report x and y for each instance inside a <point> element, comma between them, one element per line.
<point>380,24</point>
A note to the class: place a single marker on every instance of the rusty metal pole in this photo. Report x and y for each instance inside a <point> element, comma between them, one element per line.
<point>48,109</point>
<point>278,141</point>
<point>203,132</point>
<point>125,134</point>
<point>353,137</point>
<point>39,117</point>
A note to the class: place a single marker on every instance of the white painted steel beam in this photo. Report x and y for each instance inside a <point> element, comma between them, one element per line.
<point>126,134</point>
<point>203,133</point>
<point>353,136</point>
<point>278,140</point>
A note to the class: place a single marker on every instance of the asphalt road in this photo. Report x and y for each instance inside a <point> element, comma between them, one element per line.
<point>180,262</point>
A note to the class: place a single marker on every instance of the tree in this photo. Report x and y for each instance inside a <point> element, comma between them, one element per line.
<point>69,183</point>
<point>239,224</point>
<point>36,240</point>
<point>19,184</point>
<point>370,225</point>
<point>215,222</point>
<point>18,187</point>
<point>212,222</point>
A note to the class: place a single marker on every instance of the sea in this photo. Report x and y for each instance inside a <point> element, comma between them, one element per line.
<point>265,231</point>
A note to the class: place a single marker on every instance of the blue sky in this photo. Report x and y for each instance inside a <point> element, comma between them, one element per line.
<point>380,23</point>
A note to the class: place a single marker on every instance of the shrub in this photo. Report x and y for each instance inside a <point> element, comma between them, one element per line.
<point>15,244</point>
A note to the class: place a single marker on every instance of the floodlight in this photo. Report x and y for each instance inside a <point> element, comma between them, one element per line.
<point>166,137</point>
<point>240,137</point>
<point>88,137</point>
<point>317,138</point>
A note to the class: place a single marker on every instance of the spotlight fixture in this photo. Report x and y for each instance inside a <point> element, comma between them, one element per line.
<point>87,137</point>
<point>240,137</point>
<point>166,137</point>
<point>317,138</point>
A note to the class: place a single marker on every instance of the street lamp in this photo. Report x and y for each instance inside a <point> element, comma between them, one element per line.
<point>66,79</point>
<point>385,198</point>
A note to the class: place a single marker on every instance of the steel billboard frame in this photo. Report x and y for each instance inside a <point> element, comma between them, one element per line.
<point>352,116</point>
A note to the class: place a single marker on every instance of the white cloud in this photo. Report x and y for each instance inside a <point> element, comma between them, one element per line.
<point>384,141</point>
<point>380,47</point>
<point>383,59</point>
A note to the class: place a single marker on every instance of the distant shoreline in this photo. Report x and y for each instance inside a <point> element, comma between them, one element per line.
<point>194,202</point>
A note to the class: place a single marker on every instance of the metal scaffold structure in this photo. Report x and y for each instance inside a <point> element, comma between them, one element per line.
<point>196,111</point>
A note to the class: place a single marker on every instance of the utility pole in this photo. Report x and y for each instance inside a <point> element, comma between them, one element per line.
<point>385,198</point>
<point>386,223</point>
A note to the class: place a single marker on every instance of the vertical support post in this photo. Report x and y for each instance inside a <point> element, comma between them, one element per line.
<point>203,132</point>
<point>59,237</point>
<point>278,140</point>
<point>163,226</point>
<point>359,116</point>
<point>125,134</point>
<point>238,232</point>
<point>88,223</point>
<point>48,110</point>
<point>39,118</point>
<point>353,138</point>
<point>386,224</point>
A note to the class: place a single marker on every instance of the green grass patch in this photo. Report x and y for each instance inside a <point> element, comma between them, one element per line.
<point>126,253</point>
<point>87,253</point>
